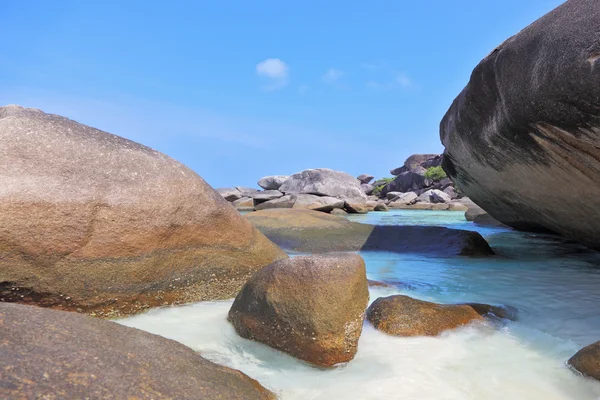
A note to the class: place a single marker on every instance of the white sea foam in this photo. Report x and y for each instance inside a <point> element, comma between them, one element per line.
<point>474,363</point>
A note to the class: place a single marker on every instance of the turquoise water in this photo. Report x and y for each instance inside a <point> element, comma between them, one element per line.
<point>553,283</point>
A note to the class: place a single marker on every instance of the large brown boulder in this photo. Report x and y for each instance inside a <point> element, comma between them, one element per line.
<point>48,354</point>
<point>309,231</point>
<point>587,361</point>
<point>93,222</point>
<point>404,316</point>
<point>522,137</point>
<point>311,307</point>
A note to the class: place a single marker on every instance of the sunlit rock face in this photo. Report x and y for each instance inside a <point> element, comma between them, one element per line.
<point>522,138</point>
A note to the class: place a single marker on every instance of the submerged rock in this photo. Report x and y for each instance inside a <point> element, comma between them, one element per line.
<point>311,307</point>
<point>272,182</point>
<point>587,361</point>
<point>97,223</point>
<point>325,182</point>
<point>502,311</point>
<point>48,354</point>
<point>522,137</point>
<point>400,315</point>
<point>314,232</point>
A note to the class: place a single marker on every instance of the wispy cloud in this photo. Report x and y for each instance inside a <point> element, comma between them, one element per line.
<point>332,75</point>
<point>275,71</point>
<point>382,76</point>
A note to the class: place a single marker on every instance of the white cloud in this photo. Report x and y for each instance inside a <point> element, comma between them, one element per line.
<point>332,75</point>
<point>275,70</point>
<point>272,68</point>
<point>403,80</point>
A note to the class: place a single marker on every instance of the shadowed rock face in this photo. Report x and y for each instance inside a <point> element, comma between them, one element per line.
<point>61,355</point>
<point>522,138</point>
<point>93,222</point>
<point>587,361</point>
<point>315,232</point>
<point>311,307</point>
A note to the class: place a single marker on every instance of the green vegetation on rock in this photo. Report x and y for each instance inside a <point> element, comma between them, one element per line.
<point>435,173</point>
<point>380,185</point>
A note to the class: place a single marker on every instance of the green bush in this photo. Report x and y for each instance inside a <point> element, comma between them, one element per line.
<point>380,185</point>
<point>435,173</point>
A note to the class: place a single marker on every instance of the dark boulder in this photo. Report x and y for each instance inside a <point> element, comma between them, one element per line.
<point>314,232</point>
<point>311,307</point>
<point>522,137</point>
<point>408,181</point>
<point>48,354</point>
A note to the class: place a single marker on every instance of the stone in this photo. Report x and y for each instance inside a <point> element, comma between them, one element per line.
<point>325,182</point>
<point>381,207</point>
<point>247,192</point>
<point>307,231</point>
<point>49,354</point>
<point>449,190</point>
<point>438,196</point>
<point>587,361</point>
<point>501,311</point>
<point>266,195</point>
<point>367,188</point>
<point>403,198</point>
<point>244,202</point>
<point>400,315</point>
<point>364,178</point>
<point>317,203</point>
<point>93,222</point>
<point>521,139</point>
<point>273,182</point>
<point>356,208</point>
<point>286,201</point>
<point>230,194</point>
<point>414,162</point>
<point>408,182</point>
<point>311,307</point>
<point>338,211</point>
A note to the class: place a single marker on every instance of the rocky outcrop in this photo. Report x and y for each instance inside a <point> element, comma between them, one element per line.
<point>587,361</point>
<point>48,354</point>
<point>404,316</point>
<point>313,232</point>
<point>93,222</point>
<point>325,182</point>
<point>408,181</point>
<point>311,307</point>
<point>522,138</point>
<point>303,202</point>
<point>364,178</point>
<point>273,182</point>
<point>415,161</point>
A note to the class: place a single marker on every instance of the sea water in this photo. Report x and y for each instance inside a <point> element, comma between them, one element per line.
<point>553,283</point>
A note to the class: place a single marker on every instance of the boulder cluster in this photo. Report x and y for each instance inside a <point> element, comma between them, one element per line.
<point>321,189</point>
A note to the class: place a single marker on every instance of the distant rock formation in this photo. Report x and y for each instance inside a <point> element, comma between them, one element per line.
<point>93,222</point>
<point>522,138</point>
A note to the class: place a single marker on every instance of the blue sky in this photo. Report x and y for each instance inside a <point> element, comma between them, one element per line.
<point>242,89</point>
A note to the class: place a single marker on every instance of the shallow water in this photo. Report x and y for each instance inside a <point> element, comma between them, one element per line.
<point>553,283</point>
